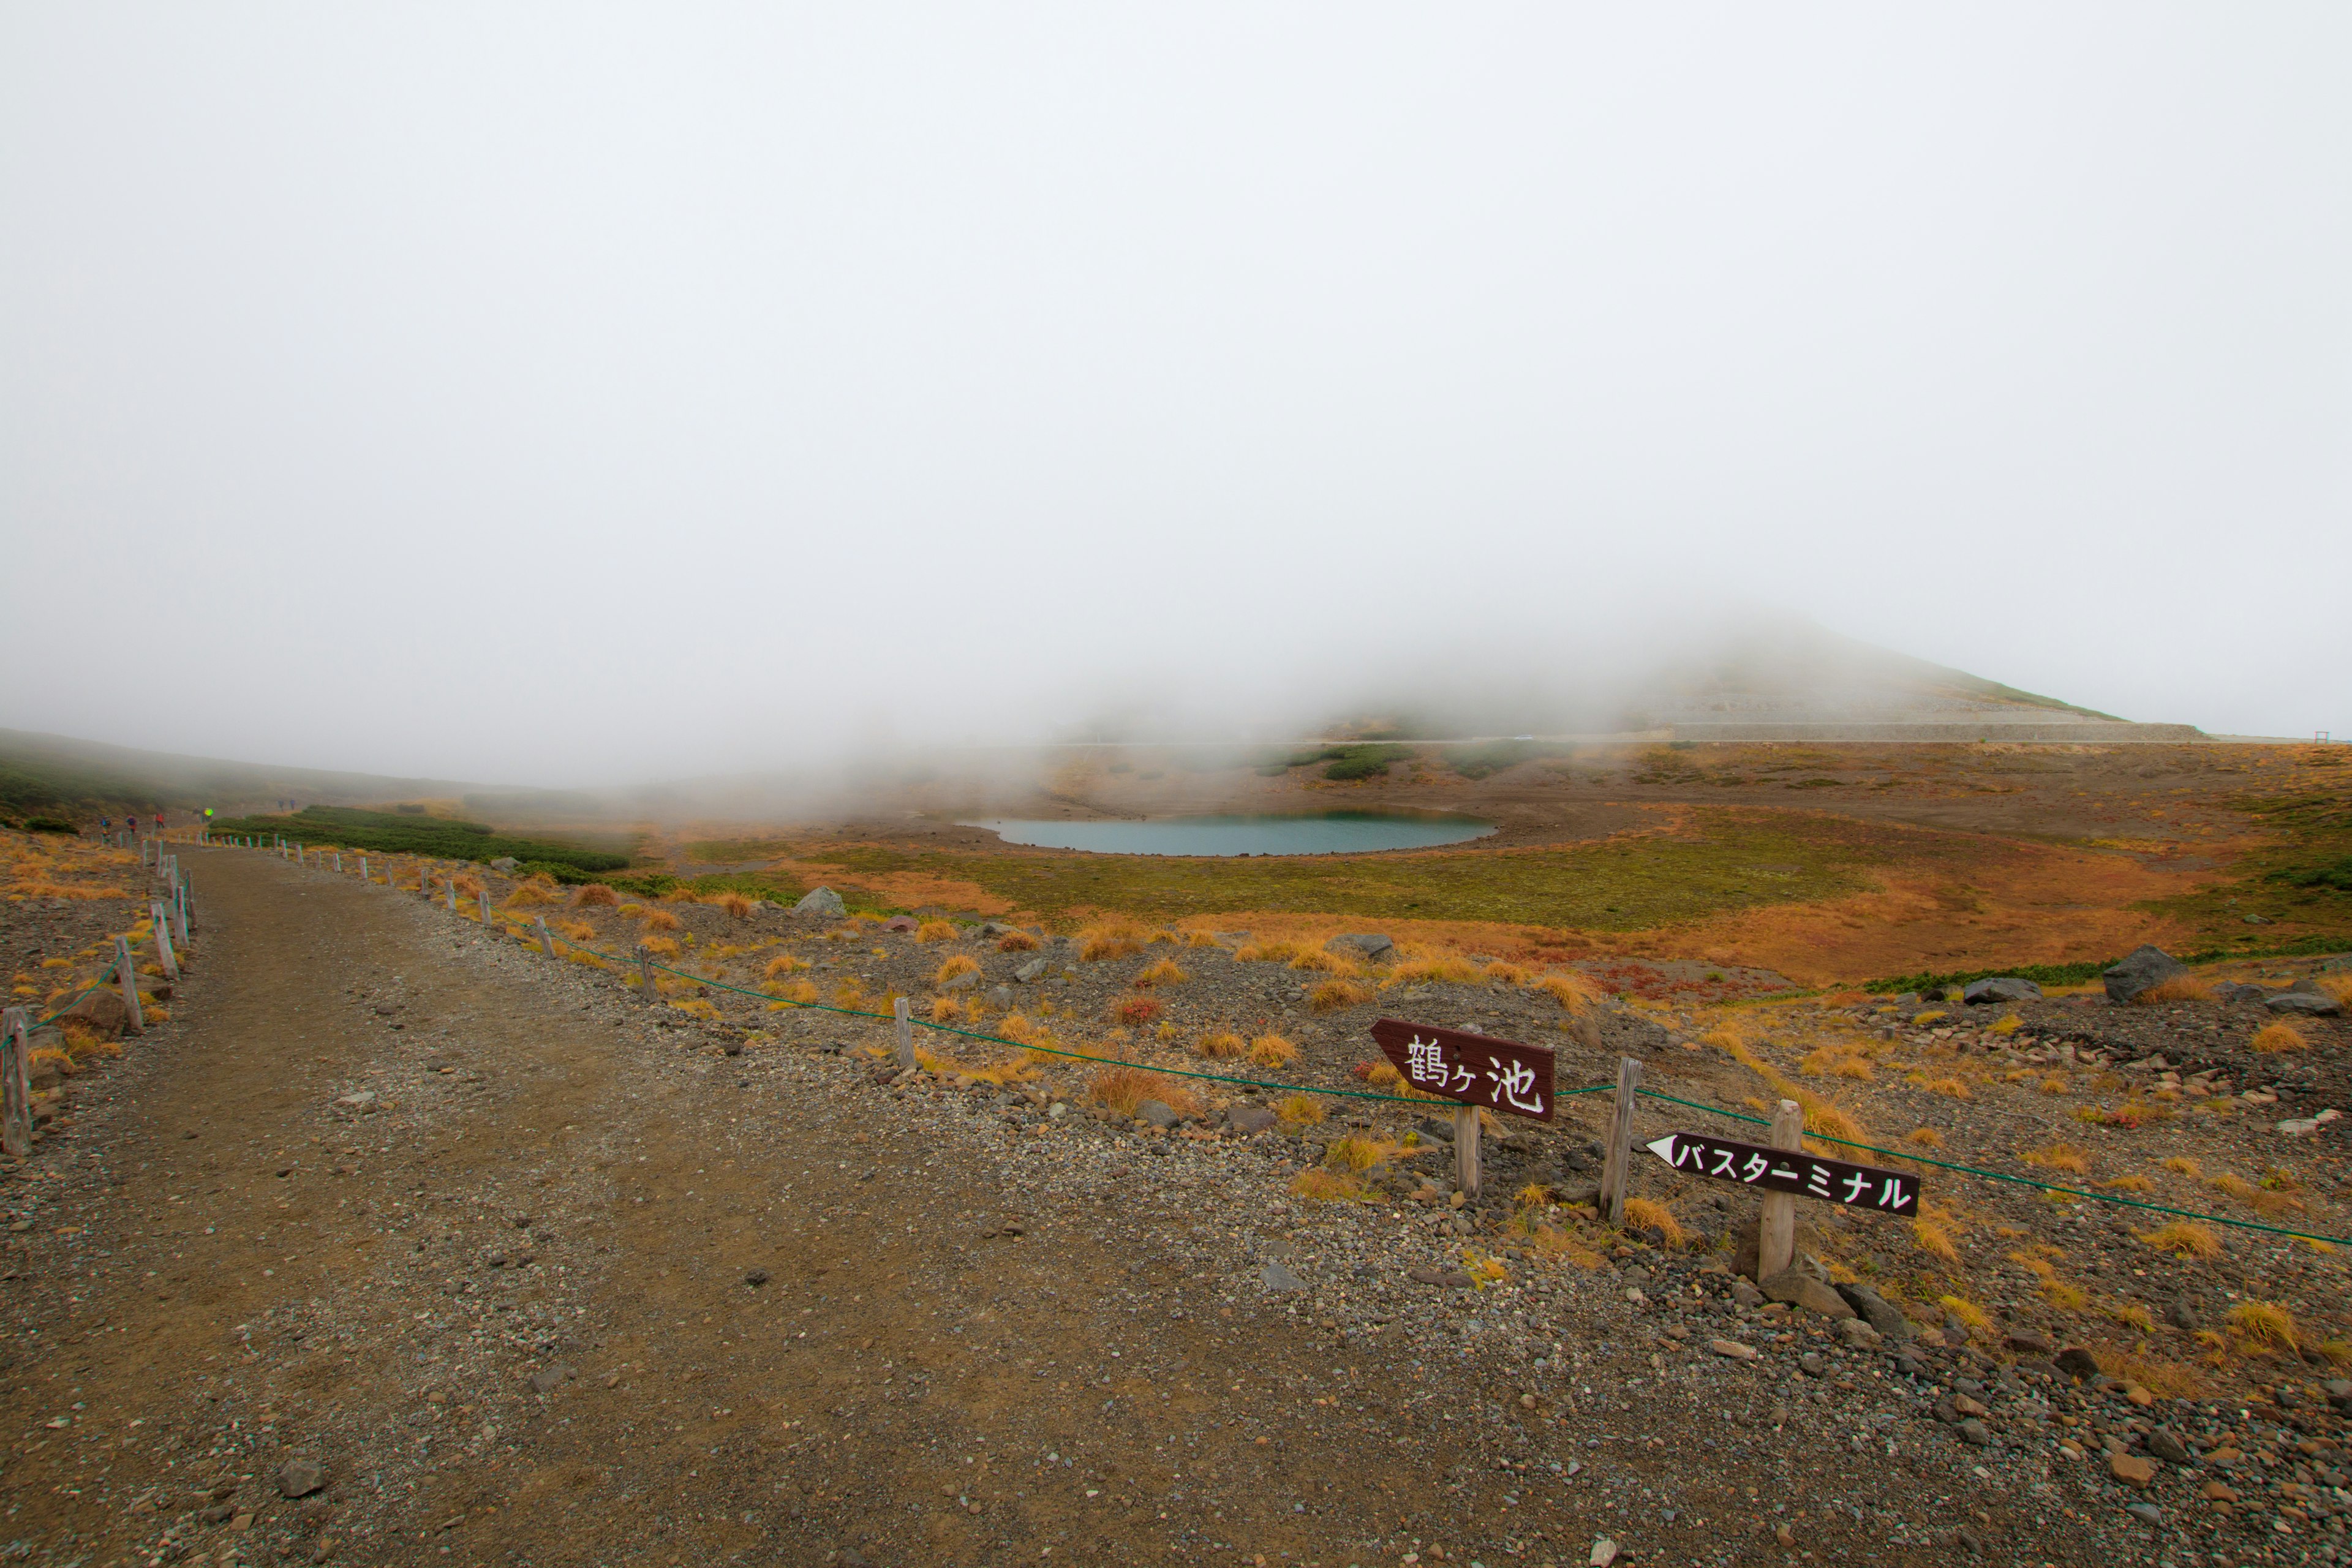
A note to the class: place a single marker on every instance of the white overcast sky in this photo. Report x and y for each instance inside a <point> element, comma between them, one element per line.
<point>581,393</point>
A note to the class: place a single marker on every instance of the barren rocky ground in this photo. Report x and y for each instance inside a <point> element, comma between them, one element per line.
<point>404,1243</point>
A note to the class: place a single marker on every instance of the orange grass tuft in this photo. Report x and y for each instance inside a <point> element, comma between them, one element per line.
<point>1165,972</point>
<point>2279,1036</point>
<point>960,964</point>
<point>1334,994</point>
<point>1111,939</point>
<point>1219,1045</point>
<point>936,930</point>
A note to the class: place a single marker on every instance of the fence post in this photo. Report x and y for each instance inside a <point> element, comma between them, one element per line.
<point>338,862</point>
<point>1617,1168</point>
<point>15,1083</point>
<point>482,902</point>
<point>180,916</point>
<point>1469,1170</point>
<point>1776,1235</point>
<point>646,971</point>
<point>124,971</point>
<point>163,939</point>
<point>906,1031</point>
<point>363,872</point>
<point>546,943</point>
<point>451,882</point>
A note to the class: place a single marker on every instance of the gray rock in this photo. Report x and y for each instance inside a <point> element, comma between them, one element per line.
<point>968,981</point>
<point>1812,1364</point>
<point>2227,992</point>
<point>2338,1391</point>
<point>1433,1130</point>
<point>1157,1113</point>
<point>1799,1289</point>
<point>1857,1333</point>
<point>2001,988</point>
<point>1001,994</point>
<point>2339,964</point>
<point>505,863</point>
<point>1975,1431</point>
<point>1031,971</point>
<point>1250,1117</point>
<point>2166,1446</point>
<point>1279,1279</point>
<point>549,1378</point>
<point>823,903</point>
<point>1878,1311</point>
<point>1370,945</point>
<point>2076,1360</point>
<point>300,1478</point>
<point>2141,968</point>
<point>2258,920</point>
<point>2147,1514</point>
<point>2182,1315</point>
<point>2305,1004</point>
<point>1745,1294</point>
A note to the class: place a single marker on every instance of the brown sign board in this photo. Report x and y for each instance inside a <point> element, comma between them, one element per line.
<point>1500,1074</point>
<point>1792,1170</point>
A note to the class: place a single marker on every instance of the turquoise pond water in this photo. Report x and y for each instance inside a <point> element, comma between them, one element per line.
<point>1316,833</point>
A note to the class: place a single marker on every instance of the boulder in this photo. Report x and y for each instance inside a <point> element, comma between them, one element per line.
<point>299,1478</point>
<point>1033,970</point>
<point>2001,988</point>
<point>899,923</point>
<point>2141,968</point>
<point>1249,1119</point>
<point>1158,1112</point>
<point>1799,1289</point>
<point>2231,992</point>
<point>2076,1361</point>
<point>1855,1331</point>
<point>104,1013</point>
<point>2301,1003</point>
<point>823,903</point>
<point>1876,1310</point>
<point>1370,945</point>
<point>505,863</point>
<point>2182,1315</point>
<point>2028,1342</point>
<point>2165,1445</point>
<point>968,981</point>
<point>2131,1469</point>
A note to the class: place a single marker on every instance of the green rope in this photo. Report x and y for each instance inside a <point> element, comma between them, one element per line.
<point>2018,1181</point>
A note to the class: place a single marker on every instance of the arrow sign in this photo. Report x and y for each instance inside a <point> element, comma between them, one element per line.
<point>1792,1170</point>
<point>1485,1070</point>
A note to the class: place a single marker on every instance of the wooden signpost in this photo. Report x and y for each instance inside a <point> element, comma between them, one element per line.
<point>1475,1071</point>
<point>1791,1171</point>
<point>16,1084</point>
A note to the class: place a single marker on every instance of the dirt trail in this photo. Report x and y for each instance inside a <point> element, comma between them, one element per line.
<point>532,1276</point>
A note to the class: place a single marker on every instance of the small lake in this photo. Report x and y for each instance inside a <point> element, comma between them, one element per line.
<point>1316,833</point>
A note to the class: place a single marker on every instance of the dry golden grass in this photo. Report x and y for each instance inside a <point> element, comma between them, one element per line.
<point>1956,1088</point>
<point>1164,971</point>
<point>2336,985</point>
<point>1332,995</point>
<point>537,890</point>
<point>946,1010</point>
<point>1318,1184</point>
<point>1219,1045</point>
<point>798,992</point>
<point>1016,942</point>
<point>1111,939</point>
<point>958,963</point>
<point>2266,1324</point>
<point>1570,989</point>
<point>2184,1239</point>
<point>1314,960</point>
<point>2178,988</point>
<point>936,930</point>
<point>1447,969</point>
<point>660,946</point>
<point>2060,1157</point>
<point>578,930</point>
<point>2054,1084</point>
<point>2129,1185</point>
<point>1200,938</point>
<point>1935,1240</point>
<point>1271,951</point>
<point>1122,1088</point>
<point>1500,974</point>
<point>1300,1111</point>
<point>2007,1026</point>
<point>2181,1164</point>
<point>1355,1152</point>
<point>468,886</point>
<point>1967,1311</point>
<point>783,963</point>
<point>1925,1137</point>
<point>1272,1052</point>
<point>1645,1214</point>
<point>2133,1316</point>
<point>2279,1036</point>
<point>733,903</point>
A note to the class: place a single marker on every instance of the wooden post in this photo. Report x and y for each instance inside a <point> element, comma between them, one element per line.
<point>1776,1237</point>
<point>906,1031</point>
<point>482,902</point>
<point>180,916</point>
<point>129,975</point>
<point>1469,1173</point>
<point>1617,1166</point>
<point>163,939</point>
<point>301,855</point>
<point>338,862</point>
<point>452,884</point>
<point>645,972</point>
<point>546,943</point>
<point>15,1083</point>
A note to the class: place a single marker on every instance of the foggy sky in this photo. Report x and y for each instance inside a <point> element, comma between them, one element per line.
<point>567,393</point>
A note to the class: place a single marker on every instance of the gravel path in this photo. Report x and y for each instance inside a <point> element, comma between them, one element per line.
<point>402,1244</point>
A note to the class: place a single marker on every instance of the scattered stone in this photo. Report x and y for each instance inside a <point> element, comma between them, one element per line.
<point>1745,1294</point>
<point>1733,1348</point>
<point>968,981</point>
<point>2305,1004</point>
<point>823,903</point>
<point>1812,1364</point>
<point>1279,1279</point>
<point>299,1478</point>
<point>2165,1445</point>
<point>549,1378</point>
<point>1157,1113</point>
<point>1858,1333</point>
<point>2146,1512</point>
<point>1604,1553</point>
<point>1974,1431</point>
<point>2003,988</point>
<point>1968,1406</point>
<point>505,863</point>
<point>2131,1469</point>
<point>1799,1289</point>
<point>2181,1316</point>
<point>1033,970</point>
<point>1250,1119</point>
<point>1968,1541</point>
<point>755,1278</point>
<point>2076,1360</point>
<point>1371,946</point>
<point>2141,968</point>
<point>104,1013</point>
<point>2217,1492</point>
<point>2028,1342</point>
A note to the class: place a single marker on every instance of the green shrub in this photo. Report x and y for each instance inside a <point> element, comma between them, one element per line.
<point>48,825</point>
<point>401,833</point>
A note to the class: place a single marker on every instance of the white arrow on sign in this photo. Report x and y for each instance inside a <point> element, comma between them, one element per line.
<point>1663,1148</point>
